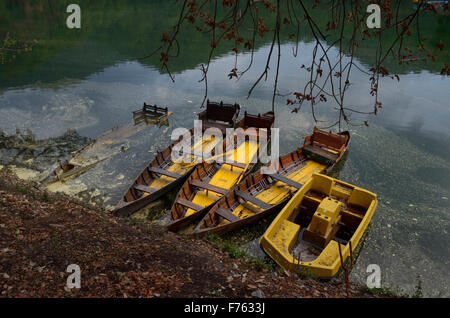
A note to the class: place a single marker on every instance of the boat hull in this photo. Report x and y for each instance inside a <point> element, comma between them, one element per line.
<point>219,230</point>
<point>284,234</point>
<point>185,221</point>
<point>124,209</point>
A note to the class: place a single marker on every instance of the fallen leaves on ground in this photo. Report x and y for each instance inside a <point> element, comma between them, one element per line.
<point>41,234</point>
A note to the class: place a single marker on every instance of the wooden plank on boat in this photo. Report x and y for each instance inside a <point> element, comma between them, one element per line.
<point>227,215</point>
<point>197,153</point>
<point>189,204</point>
<point>288,181</point>
<point>320,152</point>
<point>352,214</point>
<point>236,164</point>
<point>328,139</point>
<point>209,187</point>
<point>144,188</point>
<point>220,112</point>
<point>165,172</point>
<point>247,197</point>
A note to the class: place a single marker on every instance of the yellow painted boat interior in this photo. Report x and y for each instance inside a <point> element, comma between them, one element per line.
<point>205,145</point>
<point>227,176</point>
<point>278,191</point>
<point>306,232</point>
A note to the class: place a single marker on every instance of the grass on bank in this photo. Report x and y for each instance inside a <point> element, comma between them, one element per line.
<point>235,251</point>
<point>398,292</point>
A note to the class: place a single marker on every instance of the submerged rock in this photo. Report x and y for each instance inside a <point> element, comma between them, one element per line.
<point>23,150</point>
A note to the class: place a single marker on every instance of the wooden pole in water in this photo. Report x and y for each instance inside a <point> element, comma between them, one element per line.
<point>351,253</point>
<point>344,268</point>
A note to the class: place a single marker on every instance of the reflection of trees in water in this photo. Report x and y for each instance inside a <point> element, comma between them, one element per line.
<point>345,27</point>
<point>10,48</point>
<point>126,30</point>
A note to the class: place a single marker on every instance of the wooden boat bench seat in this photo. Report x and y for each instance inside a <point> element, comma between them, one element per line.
<point>352,214</point>
<point>209,187</point>
<point>208,123</point>
<point>327,139</point>
<point>288,181</point>
<point>150,110</point>
<point>259,121</point>
<point>248,197</point>
<point>236,164</point>
<point>250,133</point>
<point>144,188</point>
<point>197,153</point>
<point>316,150</point>
<point>165,172</point>
<point>227,215</point>
<point>189,204</point>
<point>226,113</point>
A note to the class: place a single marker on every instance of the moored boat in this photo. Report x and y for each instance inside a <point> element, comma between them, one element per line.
<point>319,226</point>
<point>259,194</point>
<point>164,173</point>
<point>211,181</point>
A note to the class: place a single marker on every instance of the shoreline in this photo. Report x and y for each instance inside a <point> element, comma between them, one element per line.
<point>42,233</point>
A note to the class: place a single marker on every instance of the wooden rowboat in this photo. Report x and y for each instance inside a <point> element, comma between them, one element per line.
<point>320,227</point>
<point>210,181</point>
<point>164,173</point>
<point>261,194</point>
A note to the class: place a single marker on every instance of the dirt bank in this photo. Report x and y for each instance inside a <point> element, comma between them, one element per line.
<point>42,233</point>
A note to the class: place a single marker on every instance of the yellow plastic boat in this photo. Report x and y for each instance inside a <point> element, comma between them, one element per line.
<point>324,213</point>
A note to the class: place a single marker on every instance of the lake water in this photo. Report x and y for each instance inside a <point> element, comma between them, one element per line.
<point>90,80</point>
